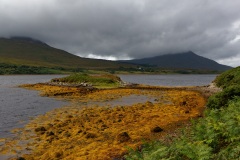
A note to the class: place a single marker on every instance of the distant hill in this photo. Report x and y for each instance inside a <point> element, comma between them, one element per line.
<point>186,60</point>
<point>31,52</point>
<point>23,55</point>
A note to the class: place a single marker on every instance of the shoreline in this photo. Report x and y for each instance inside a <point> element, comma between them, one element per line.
<point>92,136</point>
<point>120,73</point>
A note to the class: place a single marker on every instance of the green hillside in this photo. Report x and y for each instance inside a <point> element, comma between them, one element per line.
<point>21,55</point>
<point>186,60</point>
<point>30,52</point>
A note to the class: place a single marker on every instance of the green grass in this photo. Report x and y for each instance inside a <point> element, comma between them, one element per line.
<point>99,81</point>
<point>216,136</point>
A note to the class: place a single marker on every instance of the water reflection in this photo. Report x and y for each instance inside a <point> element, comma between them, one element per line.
<point>170,80</point>
<point>18,105</point>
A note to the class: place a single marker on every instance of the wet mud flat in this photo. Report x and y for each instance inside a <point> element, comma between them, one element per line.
<point>100,123</point>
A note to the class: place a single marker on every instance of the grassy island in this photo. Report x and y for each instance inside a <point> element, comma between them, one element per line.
<point>95,80</point>
<point>89,129</point>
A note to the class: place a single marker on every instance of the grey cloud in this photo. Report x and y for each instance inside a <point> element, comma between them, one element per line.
<point>127,28</point>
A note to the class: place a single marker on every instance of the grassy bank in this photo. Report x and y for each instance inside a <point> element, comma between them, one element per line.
<point>216,136</point>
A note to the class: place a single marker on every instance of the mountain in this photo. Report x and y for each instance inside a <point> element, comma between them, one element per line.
<point>26,55</point>
<point>31,52</point>
<point>186,60</point>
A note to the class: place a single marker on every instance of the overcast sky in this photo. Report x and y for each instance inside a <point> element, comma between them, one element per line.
<point>123,29</point>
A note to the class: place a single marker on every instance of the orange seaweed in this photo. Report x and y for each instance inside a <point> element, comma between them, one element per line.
<point>104,132</point>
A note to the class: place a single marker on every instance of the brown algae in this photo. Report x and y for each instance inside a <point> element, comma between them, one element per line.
<point>104,132</point>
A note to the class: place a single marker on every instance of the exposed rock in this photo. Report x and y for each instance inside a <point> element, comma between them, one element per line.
<point>130,84</point>
<point>58,83</point>
<point>91,135</point>
<point>104,126</point>
<point>58,154</point>
<point>150,104</point>
<point>123,137</point>
<point>183,103</point>
<point>55,80</point>
<point>40,129</point>
<point>67,134</point>
<point>50,133</point>
<point>157,129</point>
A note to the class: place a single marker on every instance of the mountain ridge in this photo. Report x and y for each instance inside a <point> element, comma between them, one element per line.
<point>27,39</point>
<point>183,60</point>
<point>31,52</point>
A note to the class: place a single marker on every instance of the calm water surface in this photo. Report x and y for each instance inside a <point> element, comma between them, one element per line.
<point>18,105</point>
<point>170,80</point>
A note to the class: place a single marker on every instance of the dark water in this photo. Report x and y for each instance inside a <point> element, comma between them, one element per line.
<point>170,80</point>
<point>18,105</point>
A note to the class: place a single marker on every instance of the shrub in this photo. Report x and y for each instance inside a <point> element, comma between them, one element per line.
<point>228,78</point>
<point>149,151</point>
<point>221,99</point>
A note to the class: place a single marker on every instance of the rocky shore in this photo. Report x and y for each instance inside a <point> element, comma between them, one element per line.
<point>103,132</point>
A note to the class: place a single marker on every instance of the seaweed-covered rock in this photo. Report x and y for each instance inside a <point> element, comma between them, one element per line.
<point>156,129</point>
<point>90,135</point>
<point>40,129</point>
<point>123,137</point>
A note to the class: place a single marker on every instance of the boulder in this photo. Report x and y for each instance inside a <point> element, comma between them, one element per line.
<point>123,137</point>
<point>156,129</point>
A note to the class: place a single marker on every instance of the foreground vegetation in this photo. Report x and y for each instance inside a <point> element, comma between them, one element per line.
<point>216,136</point>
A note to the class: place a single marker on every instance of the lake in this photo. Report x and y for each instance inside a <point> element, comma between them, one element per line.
<point>170,80</point>
<point>18,105</point>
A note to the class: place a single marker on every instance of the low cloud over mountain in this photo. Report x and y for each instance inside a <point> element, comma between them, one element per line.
<point>124,29</point>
